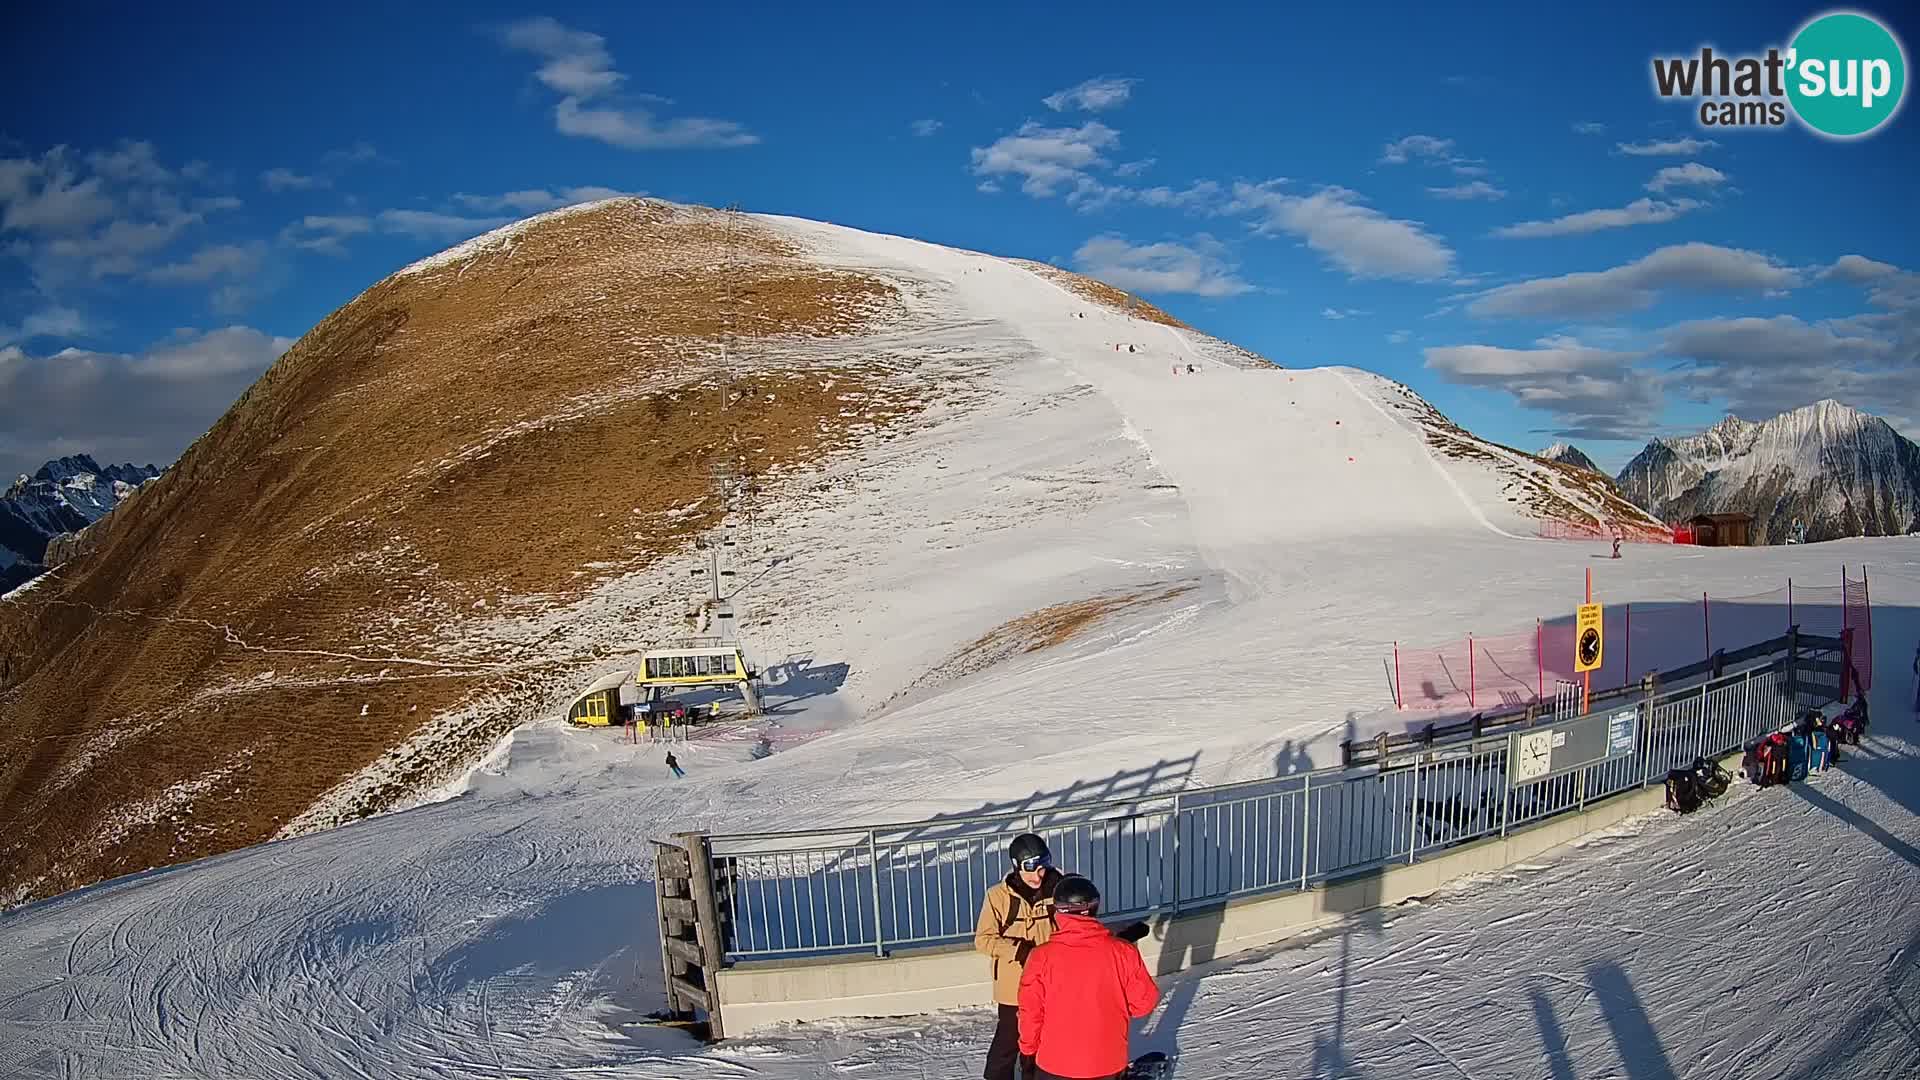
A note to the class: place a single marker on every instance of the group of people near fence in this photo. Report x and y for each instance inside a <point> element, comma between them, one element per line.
<point>1067,985</point>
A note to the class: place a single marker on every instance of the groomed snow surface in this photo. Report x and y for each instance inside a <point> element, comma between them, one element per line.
<point>508,932</point>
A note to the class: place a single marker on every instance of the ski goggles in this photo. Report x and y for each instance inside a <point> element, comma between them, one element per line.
<point>1034,862</point>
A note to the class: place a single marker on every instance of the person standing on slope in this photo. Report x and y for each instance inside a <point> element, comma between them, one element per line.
<point>1916,677</point>
<point>674,764</point>
<point>1015,918</point>
<point>1080,991</point>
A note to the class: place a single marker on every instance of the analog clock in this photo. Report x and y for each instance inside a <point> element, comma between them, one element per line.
<point>1534,755</point>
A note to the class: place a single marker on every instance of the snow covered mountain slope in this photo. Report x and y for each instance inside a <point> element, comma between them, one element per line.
<point>507,932</point>
<point>1567,454</point>
<point>62,496</point>
<point>1020,565</point>
<point>1840,471</point>
<point>475,488</point>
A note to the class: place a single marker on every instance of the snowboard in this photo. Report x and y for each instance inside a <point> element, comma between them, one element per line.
<point>1154,1066</point>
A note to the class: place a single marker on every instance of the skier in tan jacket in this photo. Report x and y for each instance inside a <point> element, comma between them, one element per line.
<point>1016,916</point>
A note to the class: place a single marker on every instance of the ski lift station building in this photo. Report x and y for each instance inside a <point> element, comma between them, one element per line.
<point>695,664</point>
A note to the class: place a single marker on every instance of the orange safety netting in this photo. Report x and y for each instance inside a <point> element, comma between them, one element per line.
<point>1479,673</point>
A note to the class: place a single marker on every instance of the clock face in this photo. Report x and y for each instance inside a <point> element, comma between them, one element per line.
<point>1534,757</point>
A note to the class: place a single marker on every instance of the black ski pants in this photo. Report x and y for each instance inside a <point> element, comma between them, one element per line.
<point>1003,1055</point>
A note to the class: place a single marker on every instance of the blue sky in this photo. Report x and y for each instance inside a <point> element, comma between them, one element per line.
<point>1497,211</point>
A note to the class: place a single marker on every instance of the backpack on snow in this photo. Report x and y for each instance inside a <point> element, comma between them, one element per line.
<point>1765,762</point>
<point>1697,785</point>
<point>1710,778</point>
<point>1683,793</point>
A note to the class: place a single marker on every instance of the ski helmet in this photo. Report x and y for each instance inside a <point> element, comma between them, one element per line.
<point>1076,895</point>
<point>1028,848</point>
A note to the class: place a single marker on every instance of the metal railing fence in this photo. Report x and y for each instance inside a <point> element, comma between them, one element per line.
<point>836,890</point>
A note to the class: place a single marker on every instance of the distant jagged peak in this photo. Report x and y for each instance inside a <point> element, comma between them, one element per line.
<point>1731,427</point>
<point>1827,416</point>
<point>1568,454</point>
<point>63,468</point>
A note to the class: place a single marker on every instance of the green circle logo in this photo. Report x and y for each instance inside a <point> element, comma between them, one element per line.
<point>1846,74</point>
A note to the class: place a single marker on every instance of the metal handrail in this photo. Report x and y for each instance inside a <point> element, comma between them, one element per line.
<point>1412,750</point>
<point>884,887</point>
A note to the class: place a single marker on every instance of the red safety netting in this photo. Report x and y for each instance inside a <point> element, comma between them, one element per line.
<point>1857,611</point>
<point>1479,673</point>
<point>1557,529</point>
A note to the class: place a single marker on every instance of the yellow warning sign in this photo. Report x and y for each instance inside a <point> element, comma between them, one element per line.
<point>1589,639</point>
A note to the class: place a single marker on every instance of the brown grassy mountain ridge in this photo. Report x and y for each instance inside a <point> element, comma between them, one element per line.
<point>489,431</point>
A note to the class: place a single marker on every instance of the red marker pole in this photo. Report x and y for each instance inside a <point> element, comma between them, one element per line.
<point>1399,700</point>
<point>1471,698</point>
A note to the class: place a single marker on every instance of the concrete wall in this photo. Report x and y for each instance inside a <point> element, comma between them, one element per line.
<point>757,993</point>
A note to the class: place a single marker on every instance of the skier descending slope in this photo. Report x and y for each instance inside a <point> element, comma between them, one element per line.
<point>1079,992</point>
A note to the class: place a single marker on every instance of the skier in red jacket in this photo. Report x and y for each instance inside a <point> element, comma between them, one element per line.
<point>1080,990</point>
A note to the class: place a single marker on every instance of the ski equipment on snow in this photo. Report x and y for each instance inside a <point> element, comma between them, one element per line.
<point>1153,1066</point>
<point>1765,762</point>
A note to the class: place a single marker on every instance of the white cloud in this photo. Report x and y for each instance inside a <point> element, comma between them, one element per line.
<point>1094,95</point>
<point>46,195</point>
<point>1201,196</point>
<point>325,234</point>
<point>1589,127</point>
<point>1592,393</point>
<point>1340,313</point>
<point>54,322</point>
<point>1691,174</point>
<point>1471,170</point>
<point>1637,212</point>
<point>430,225</point>
<point>1428,147</point>
<point>639,129</point>
<point>538,199</point>
<point>131,162</point>
<point>1134,168</point>
<point>357,154</point>
<point>925,128</point>
<point>343,225</point>
<point>1357,238</point>
<point>1859,270</point>
<point>144,407</point>
<point>281,179</point>
<point>1764,366</point>
<point>1399,337</point>
<point>216,203</point>
<point>1200,268</point>
<point>1478,189</point>
<point>1666,148</point>
<point>576,65</point>
<point>219,260</point>
<point>987,187</point>
<point>1046,158</point>
<point>1693,267</point>
<point>113,251</point>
